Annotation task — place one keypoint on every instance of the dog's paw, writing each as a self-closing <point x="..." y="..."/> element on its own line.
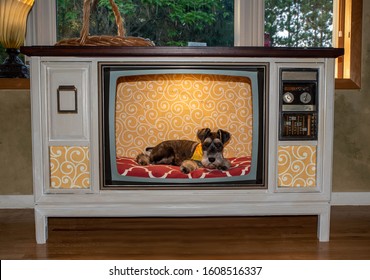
<point x="188" y="166"/>
<point x="184" y="170"/>
<point x="143" y="159"/>
<point x="225" y="166"/>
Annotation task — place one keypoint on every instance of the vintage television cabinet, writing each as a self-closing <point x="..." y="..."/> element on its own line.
<point x="277" y="102"/>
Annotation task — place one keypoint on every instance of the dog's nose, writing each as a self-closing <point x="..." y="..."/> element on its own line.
<point x="211" y="159"/>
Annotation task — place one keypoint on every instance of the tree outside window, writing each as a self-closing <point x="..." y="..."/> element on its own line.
<point x="165" y="22"/>
<point x="289" y="23"/>
<point x="299" y="23"/>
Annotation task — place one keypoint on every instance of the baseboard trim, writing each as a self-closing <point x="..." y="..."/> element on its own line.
<point x="338" y="199"/>
<point x="16" y="201"/>
<point x="350" y="198"/>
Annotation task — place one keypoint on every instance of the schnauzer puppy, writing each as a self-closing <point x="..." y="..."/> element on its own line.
<point x="190" y="155"/>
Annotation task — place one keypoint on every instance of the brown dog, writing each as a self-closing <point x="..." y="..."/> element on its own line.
<point x="190" y="155"/>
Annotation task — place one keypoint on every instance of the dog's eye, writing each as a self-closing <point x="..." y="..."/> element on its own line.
<point x="218" y="145"/>
<point x="207" y="143"/>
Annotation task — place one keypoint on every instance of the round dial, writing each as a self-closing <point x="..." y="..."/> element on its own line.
<point x="288" y="97"/>
<point x="305" y="97"/>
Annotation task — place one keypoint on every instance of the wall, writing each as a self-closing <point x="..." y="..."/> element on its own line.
<point x="15" y="142"/>
<point x="351" y="144"/>
<point x="352" y="122"/>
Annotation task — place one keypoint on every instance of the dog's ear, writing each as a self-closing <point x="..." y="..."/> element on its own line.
<point x="224" y="136"/>
<point x="203" y="134"/>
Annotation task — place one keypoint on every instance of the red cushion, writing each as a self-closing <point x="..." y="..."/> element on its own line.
<point x="128" y="167"/>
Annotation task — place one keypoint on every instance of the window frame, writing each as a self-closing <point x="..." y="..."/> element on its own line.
<point x="250" y="13"/>
<point x="355" y="43"/>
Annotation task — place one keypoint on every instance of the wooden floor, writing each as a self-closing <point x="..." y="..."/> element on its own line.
<point x="187" y="238"/>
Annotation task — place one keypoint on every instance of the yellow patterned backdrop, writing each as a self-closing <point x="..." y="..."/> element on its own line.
<point x="69" y="167"/>
<point x="297" y="166"/>
<point x="153" y="108"/>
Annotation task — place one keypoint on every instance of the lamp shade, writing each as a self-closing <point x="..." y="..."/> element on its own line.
<point x="13" y="19"/>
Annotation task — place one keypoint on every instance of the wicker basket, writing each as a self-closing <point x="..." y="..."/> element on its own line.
<point x="104" y="40"/>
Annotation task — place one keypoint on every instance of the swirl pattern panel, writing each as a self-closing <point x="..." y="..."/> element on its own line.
<point x="153" y="108"/>
<point x="297" y="166"/>
<point x="69" y="167"/>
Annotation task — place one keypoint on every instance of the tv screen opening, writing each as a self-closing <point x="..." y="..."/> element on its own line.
<point x="145" y="105"/>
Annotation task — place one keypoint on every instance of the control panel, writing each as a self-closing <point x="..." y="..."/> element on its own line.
<point x="298" y="104"/>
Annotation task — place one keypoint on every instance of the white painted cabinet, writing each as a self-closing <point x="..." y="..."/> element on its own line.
<point x="67" y="120"/>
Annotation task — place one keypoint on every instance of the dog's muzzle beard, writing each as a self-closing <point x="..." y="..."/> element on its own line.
<point x="213" y="155"/>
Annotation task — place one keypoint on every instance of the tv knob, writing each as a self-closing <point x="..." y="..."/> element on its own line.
<point x="288" y="97"/>
<point x="305" y="97"/>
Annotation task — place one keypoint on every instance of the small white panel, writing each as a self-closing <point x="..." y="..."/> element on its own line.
<point x="68" y="100"/>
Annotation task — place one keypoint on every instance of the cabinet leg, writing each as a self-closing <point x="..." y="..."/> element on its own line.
<point x="323" y="226"/>
<point x="41" y="226"/>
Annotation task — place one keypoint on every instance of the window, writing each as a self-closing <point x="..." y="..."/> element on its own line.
<point x="299" y="23"/>
<point x="167" y="23"/>
<point x="248" y="30"/>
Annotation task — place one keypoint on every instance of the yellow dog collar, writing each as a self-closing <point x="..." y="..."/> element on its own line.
<point x="198" y="153"/>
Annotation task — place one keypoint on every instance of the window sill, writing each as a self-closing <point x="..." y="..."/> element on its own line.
<point x="15" y="83"/>
<point x="346" y="84"/>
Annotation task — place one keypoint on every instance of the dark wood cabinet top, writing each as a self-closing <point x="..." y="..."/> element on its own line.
<point x="103" y="51"/>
